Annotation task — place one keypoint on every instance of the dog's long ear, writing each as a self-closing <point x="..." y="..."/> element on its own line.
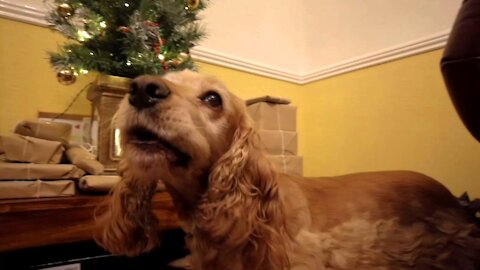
<point x="241" y="213"/>
<point x="125" y="223"/>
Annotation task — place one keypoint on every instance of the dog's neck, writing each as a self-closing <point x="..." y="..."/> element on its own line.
<point x="186" y="197"/>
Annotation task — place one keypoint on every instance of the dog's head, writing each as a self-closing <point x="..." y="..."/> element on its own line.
<point x="176" y="126"/>
<point x="188" y="130"/>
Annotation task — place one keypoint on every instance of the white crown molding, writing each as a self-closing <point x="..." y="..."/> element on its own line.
<point x="209" y="56"/>
<point x="414" y="47"/>
<point x="23" y="12"/>
<point x="34" y="14"/>
<point x="417" y="46"/>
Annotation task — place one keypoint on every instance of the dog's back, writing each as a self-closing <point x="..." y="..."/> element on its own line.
<point x="384" y="220"/>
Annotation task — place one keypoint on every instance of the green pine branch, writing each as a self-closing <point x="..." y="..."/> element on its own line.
<point x="125" y="38"/>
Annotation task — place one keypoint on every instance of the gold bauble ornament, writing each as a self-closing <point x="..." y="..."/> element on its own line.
<point x="65" y="10"/>
<point x="193" y="4"/>
<point x="180" y="59"/>
<point x="183" y="56"/>
<point x="174" y="62"/>
<point x="66" y="76"/>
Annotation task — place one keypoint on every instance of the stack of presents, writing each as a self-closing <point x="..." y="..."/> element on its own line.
<point x="275" y="120"/>
<point x="37" y="161"/>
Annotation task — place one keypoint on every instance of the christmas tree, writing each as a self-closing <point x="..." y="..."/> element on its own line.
<point x="124" y="37"/>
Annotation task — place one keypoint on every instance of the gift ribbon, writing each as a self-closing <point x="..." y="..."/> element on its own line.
<point x="277" y="111"/>
<point x="284" y="163"/>
<point x="39" y="183"/>
<point x="28" y="170"/>
<point x="37" y="130"/>
<point x="25" y="147"/>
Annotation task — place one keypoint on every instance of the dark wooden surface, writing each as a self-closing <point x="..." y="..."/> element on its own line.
<point x="39" y="222"/>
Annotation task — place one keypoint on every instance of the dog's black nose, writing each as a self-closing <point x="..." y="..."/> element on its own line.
<point x="146" y="92"/>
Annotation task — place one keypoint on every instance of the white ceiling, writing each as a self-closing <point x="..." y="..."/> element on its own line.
<point x="341" y="30"/>
<point x="306" y="40"/>
<point x="306" y="36"/>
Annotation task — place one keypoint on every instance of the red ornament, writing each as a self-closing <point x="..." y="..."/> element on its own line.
<point x="150" y="23"/>
<point x="165" y="67"/>
<point x="123" y="29"/>
<point x="157" y="48"/>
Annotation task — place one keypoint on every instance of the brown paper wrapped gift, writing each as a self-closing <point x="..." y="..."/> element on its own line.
<point x="31" y="171"/>
<point x="29" y="149"/>
<point x="279" y="142"/>
<point x="273" y="116"/>
<point x="81" y="158"/>
<point x="53" y="131"/>
<point x="104" y="183"/>
<point x="288" y="164"/>
<point x="36" y="189"/>
<point x="268" y="99"/>
<point x="98" y="183"/>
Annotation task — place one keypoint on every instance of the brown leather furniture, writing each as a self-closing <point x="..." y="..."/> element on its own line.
<point x="460" y="65"/>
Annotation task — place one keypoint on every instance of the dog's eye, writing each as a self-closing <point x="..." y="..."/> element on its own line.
<point x="212" y="99"/>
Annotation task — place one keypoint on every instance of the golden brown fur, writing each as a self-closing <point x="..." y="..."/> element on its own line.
<point x="241" y="214"/>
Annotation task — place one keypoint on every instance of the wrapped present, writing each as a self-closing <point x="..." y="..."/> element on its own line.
<point x="29" y="149"/>
<point x="273" y="116"/>
<point x="288" y="164"/>
<point x="104" y="183"/>
<point x="36" y="189"/>
<point x="53" y="131"/>
<point x="279" y="142"/>
<point x="268" y="99"/>
<point x="32" y="171"/>
<point x="81" y="158"/>
<point x="98" y="183"/>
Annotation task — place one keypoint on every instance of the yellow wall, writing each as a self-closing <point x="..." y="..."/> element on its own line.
<point x="392" y="116"/>
<point x="27" y="83"/>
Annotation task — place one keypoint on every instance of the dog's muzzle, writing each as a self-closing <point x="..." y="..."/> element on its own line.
<point x="150" y="143"/>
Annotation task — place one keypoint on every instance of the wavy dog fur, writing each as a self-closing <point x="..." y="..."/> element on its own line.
<point x="241" y="214"/>
<point x="128" y="226"/>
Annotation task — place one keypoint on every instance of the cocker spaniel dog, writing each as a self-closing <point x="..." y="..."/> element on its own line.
<point x="240" y="213"/>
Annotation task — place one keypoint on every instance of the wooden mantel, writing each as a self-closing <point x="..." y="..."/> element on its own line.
<point x="40" y="222"/>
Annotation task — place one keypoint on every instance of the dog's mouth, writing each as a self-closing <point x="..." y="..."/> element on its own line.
<point x="148" y="141"/>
